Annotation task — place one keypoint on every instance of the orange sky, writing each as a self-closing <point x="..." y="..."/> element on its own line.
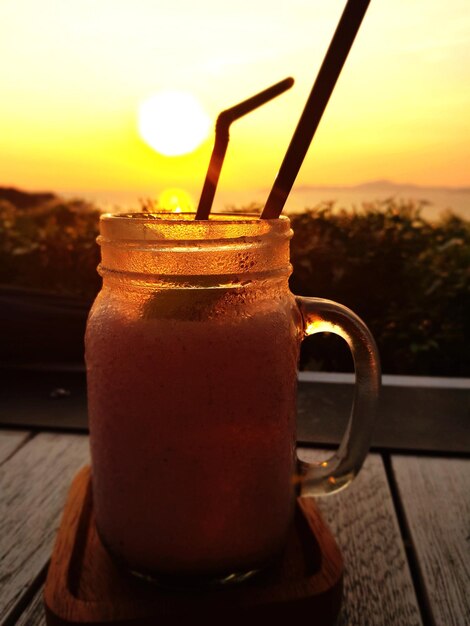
<point x="73" y="75"/>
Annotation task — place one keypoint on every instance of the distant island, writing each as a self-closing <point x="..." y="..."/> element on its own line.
<point x="25" y="199"/>
<point x="382" y="186"/>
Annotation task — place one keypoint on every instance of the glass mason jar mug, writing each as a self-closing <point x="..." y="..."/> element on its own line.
<point x="192" y="349"/>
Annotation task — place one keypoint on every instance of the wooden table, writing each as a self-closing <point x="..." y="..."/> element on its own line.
<point x="403" y="527"/>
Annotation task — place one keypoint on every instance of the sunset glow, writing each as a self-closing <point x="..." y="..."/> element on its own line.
<point x="76" y="73"/>
<point x="173" y="122"/>
<point x="176" y="201"/>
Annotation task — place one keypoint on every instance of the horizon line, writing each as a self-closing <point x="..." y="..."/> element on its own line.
<point x="302" y="187"/>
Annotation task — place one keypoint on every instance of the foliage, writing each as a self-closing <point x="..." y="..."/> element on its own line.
<point x="407" y="277"/>
<point x="51" y="247"/>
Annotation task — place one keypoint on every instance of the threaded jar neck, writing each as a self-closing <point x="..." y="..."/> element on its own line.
<point x="177" y="249"/>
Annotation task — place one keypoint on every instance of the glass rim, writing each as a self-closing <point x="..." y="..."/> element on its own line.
<point x="187" y="218"/>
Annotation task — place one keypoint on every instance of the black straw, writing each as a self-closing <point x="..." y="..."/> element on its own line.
<point x="222" y="136"/>
<point x="322" y="89"/>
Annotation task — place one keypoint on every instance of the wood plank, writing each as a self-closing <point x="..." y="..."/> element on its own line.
<point x="388" y="380"/>
<point x="33" y="486"/>
<point x="432" y="419"/>
<point x="34" y="615"/>
<point x="10" y="442"/>
<point x="57" y="332"/>
<point x="378" y="588"/>
<point x="43" y="399"/>
<point x="435" y="493"/>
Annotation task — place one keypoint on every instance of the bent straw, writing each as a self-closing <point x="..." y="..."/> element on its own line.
<point x="221" y="140"/>
<point x="323" y="87"/>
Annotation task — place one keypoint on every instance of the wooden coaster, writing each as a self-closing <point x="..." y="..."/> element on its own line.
<point x="84" y="586"/>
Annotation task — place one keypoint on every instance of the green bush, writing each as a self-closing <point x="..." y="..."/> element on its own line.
<point x="407" y="277"/>
<point x="51" y="247"/>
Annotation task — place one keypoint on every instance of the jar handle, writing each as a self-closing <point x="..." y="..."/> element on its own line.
<point x="338" y="471"/>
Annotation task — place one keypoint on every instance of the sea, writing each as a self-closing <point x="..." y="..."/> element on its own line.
<point x="437" y="199"/>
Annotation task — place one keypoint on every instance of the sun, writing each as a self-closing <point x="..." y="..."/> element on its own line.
<point x="175" y="201"/>
<point x="173" y="122"/>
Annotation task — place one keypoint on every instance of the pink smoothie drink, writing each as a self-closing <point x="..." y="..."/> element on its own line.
<point x="192" y="423"/>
